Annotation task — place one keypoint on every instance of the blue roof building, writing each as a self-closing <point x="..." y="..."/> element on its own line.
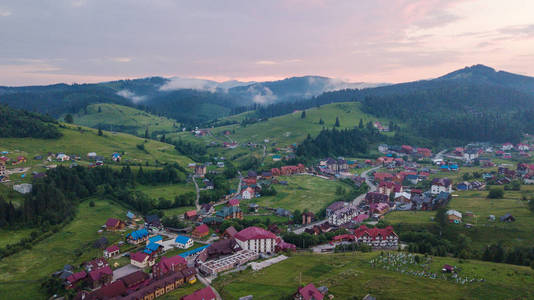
<point x="130" y="215"/>
<point x="138" y="234"/>
<point x="152" y="247"/>
<point x="155" y="239"/>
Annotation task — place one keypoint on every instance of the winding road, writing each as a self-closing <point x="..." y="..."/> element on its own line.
<point x="370" y="184"/>
<point x="197" y="204"/>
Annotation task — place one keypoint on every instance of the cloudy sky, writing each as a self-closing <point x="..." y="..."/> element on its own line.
<point x="50" y="41"/>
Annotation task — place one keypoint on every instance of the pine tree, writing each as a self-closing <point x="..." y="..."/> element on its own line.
<point x="303" y="115"/>
<point x="321" y="122"/>
<point x="163" y="139"/>
<point x="361" y="124"/>
<point x="337" y="122"/>
<point x="69" y="119"/>
<point x="100" y="133"/>
<point x="146" y="133"/>
<point x="99" y="109"/>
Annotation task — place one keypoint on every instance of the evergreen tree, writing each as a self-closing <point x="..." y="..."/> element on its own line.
<point x="163" y="139"/>
<point x="321" y="122"/>
<point x="303" y="115"/>
<point x="99" y="109"/>
<point x="146" y="133"/>
<point x="69" y="119"/>
<point x="100" y="133"/>
<point x="360" y="125"/>
<point x="337" y="122"/>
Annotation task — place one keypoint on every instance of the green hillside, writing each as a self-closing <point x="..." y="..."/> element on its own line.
<point x="287" y="129"/>
<point x="124" y="119"/>
<point x="82" y="140"/>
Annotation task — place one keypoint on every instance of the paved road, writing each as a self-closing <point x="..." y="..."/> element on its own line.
<point x="439" y="155"/>
<point x="197" y="204"/>
<point x="369" y="182"/>
<point x="239" y="184"/>
<point x="301" y="229"/>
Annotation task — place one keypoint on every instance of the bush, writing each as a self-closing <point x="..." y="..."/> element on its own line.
<point x="92" y="203"/>
<point x="496" y="193"/>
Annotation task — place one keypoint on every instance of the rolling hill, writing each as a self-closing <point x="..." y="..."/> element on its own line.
<point x="122" y="118"/>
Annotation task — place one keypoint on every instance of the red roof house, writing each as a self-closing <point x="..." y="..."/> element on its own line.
<point x="202" y="294"/>
<point x="254" y="233"/>
<point x="233" y="202"/>
<point x="113" y="224"/>
<point x="200" y="231"/>
<point x="167" y="265"/>
<point x="189" y="215"/>
<point x="309" y="292"/>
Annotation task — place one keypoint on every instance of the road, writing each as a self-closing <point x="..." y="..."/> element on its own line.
<point x="439" y="155"/>
<point x="370" y="184"/>
<point x="197" y="204"/>
<point x="239" y="184"/>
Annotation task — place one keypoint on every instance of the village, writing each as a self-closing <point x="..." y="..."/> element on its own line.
<point x="151" y="260"/>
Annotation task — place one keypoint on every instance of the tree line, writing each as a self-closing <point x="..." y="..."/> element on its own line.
<point x="21" y="124"/>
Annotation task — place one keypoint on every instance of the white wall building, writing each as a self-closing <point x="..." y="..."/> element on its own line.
<point x="256" y="239"/>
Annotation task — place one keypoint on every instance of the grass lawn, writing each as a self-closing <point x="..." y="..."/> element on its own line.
<point x="51" y="254"/>
<point x="177" y="211"/>
<point x="518" y="233"/>
<point x="301" y="192"/>
<point x="168" y="192"/>
<point x="273" y="218"/>
<point x="350" y="275"/>
<point x="410" y="217"/>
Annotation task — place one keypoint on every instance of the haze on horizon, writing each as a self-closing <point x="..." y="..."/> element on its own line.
<point x="393" y="41"/>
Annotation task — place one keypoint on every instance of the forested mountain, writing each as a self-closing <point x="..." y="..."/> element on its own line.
<point x="18" y="123"/>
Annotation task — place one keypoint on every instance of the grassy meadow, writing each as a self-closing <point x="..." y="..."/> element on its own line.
<point x="350" y="275"/>
<point x="23" y="272"/>
<point x="302" y="192"/>
<point x="124" y="118"/>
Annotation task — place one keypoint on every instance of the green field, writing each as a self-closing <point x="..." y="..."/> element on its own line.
<point x="23" y="272"/>
<point x="124" y="119"/>
<point x="168" y="192"/>
<point x="288" y="129"/>
<point x="410" y="217"/>
<point x="484" y="232"/>
<point x="350" y="275"/>
<point x="302" y="192"/>
<point x="81" y="142"/>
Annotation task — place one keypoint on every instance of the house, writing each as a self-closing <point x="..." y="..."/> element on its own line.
<point x="470" y="155"/>
<point x="507" y="218"/>
<point x="309" y="292"/>
<point x="200" y="170"/>
<point x="153" y="220"/>
<point x="206" y="209"/>
<point x="220" y="164"/>
<point x="200" y="231"/>
<point x="23" y="188"/>
<point x="233" y="202"/>
<point x="335" y="165"/>
<point x="343" y="215"/>
<point x="307" y="217"/>
<point x="167" y="265"/>
<point x="230" y="212"/>
<point x="157" y="239"/>
<point x="507" y="146"/>
<point x="463" y="186"/>
<point x="229" y="233"/>
<point x="380" y="176"/>
<point x="403" y="197"/>
<point x="256" y="239"/>
<point x="91" y="155"/>
<point x="202" y="294"/>
<point x="267" y="175"/>
<point x="249" y="181"/>
<point x="379" y="208"/>
<point x="388" y="187"/>
<point x="153" y="248"/>
<point x="447" y="269"/>
<point x="424" y="152"/>
<point x="132" y="280"/>
<point x="183" y="242"/>
<point x="277" y="157"/>
<point x="75" y="278"/>
<point x="360" y="218"/>
<point x="454" y="216"/>
<point x="384" y="238"/>
<point x="248" y="193"/>
<point x="130" y="215"/>
<point x="141" y="259"/>
<point x="523" y="147"/>
<point x="100" y="277"/>
<point x="412" y="179"/>
<point x="137" y="237"/>
<point x="282" y="212"/>
<point x="62" y="157"/>
<point x="383" y="148"/>
<point x="116" y="157"/>
<point x="334" y="207"/>
<point x="113" y="224"/>
<point x="374" y="197"/>
<point x="20" y="159"/>
<point x="190" y="215"/>
<point x="111" y="251"/>
<point x="283" y="246"/>
<point x="441" y="185"/>
<point x="95" y="264"/>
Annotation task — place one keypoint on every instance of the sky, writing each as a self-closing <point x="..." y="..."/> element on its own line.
<point x="76" y="41"/>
